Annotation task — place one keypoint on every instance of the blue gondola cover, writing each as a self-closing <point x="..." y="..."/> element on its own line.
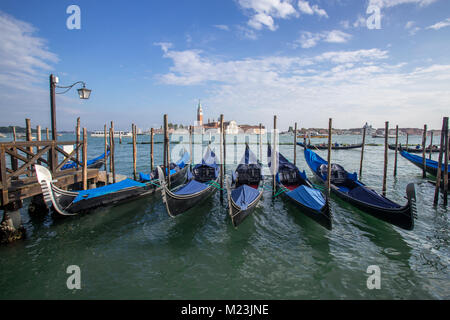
<point x="97" y="192"/>
<point x="312" y="198"/>
<point x="244" y="195"/>
<point x="192" y="187"/>
<point x="369" y="196"/>
<point x="71" y="164"/>
<point x="180" y="164"/>
<point x="418" y="160"/>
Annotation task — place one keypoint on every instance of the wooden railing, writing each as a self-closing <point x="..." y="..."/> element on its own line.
<point x="24" y="154"/>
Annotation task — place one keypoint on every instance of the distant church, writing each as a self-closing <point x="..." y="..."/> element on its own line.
<point x="199" y="114"/>
<point x="230" y="127"/>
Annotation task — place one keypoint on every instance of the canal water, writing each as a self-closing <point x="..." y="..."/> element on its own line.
<point x="136" y="251"/>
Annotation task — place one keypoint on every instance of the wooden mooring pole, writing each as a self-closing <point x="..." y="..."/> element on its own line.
<point x="431" y="144"/>
<point x="441" y="153"/>
<point x="386" y="145"/>
<point x="47" y="133"/>
<point x="133" y="131"/>
<point x="221" y="157"/>
<point x="166" y="153"/>
<point x="407" y="138"/>
<point x="151" y="148"/>
<point x="396" y="150"/>
<point x="330" y="129"/>
<point x="29" y="138"/>
<point x="274" y="155"/>
<point x="447" y="143"/>
<point x="106" y="152"/>
<point x="77" y="132"/>
<point x="260" y="142"/>
<point x="295" y="144"/>
<point x="362" y="151"/>
<point x="84" y="159"/>
<point x="38" y="138"/>
<point x="112" y="147"/>
<point x="424" y="158"/>
<point x="224" y="148"/>
<point x="14" y="160"/>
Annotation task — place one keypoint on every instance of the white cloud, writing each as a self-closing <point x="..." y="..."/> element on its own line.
<point x="440" y="25"/>
<point x="412" y="29"/>
<point x="306" y="8"/>
<point x="261" y="19"/>
<point x="409" y="24"/>
<point x="222" y="27"/>
<point x="336" y="36"/>
<point x="25" y="64"/>
<point x="350" y="86"/>
<point x="360" y="22"/>
<point x="264" y="11"/>
<point x="345" y="24"/>
<point x="309" y="40"/>
<point x="393" y="3"/>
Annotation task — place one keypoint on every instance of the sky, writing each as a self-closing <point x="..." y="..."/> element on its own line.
<point x="304" y="61"/>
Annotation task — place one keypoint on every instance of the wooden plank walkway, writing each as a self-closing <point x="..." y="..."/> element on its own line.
<point x="29" y="187"/>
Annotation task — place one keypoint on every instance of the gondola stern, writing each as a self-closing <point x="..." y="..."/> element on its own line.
<point x="162" y="182"/>
<point x="45" y="179"/>
<point x="411" y="195"/>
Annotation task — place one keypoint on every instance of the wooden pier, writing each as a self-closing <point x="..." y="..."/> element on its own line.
<point x="18" y="179"/>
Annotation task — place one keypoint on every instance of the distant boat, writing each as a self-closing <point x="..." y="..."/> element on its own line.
<point x="312" y="135"/>
<point x="334" y="146"/>
<point x="2" y="135"/>
<point x="415" y="149"/>
<point x="101" y="134"/>
<point x="382" y="136"/>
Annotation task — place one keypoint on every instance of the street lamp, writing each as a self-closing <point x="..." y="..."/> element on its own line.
<point x="83" y="93"/>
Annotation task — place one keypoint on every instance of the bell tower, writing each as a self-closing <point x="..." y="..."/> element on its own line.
<point x="199" y="114"/>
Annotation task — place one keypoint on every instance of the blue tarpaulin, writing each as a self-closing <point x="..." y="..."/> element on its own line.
<point x="97" y="192"/>
<point x="314" y="160"/>
<point x="309" y="197"/>
<point x="367" y="195"/>
<point x="71" y="164"/>
<point x="419" y="160"/>
<point x="180" y="165"/>
<point x="192" y="187"/>
<point x="244" y="195"/>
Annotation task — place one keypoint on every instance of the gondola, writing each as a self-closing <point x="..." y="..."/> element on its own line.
<point x="295" y="186"/>
<point x="245" y="189"/>
<point x="203" y="181"/>
<point x="95" y="163"/>
<point x="416" y="149"/>
<point x="69" y="203"/>
<point x="349" y="188"/>
<point x="431" y="165"/>
<point x="334" y="146"/>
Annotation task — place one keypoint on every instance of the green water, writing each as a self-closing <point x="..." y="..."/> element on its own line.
<point x="136" y="251"/>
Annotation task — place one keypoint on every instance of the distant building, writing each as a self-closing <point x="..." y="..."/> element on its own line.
<point x="252" y="129"/>
<point x="230" y="127"/>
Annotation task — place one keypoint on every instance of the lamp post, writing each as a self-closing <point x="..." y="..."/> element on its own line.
<point x="83" y="93"/>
